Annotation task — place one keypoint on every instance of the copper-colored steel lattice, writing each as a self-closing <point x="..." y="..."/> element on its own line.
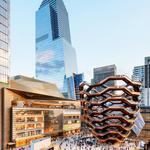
<point x="110" y="111"/>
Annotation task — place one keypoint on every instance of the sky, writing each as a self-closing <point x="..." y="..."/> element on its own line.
<point x="103" y="32"/>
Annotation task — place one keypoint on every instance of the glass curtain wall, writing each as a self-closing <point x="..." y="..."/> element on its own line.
<point x="4" y="40"/>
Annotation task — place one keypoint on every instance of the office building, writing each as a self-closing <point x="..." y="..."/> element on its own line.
<point x="55" y="56"/>
<point x="73" y="83"/>
<point x="4" y="40"/>
<point x="142" y="74"/>
<point x="32" y="110"/>
<point x="78" y="79"/>
<point x="147" y="82"/>
<point x="103" y="72"/>
<point x="4" y="49"/>
<point x="138" y="75"/>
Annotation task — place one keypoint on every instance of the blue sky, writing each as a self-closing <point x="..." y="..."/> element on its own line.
<point x="103" y="32"/>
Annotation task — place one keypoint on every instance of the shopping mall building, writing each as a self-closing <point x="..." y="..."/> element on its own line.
<point x="32" y="109"/>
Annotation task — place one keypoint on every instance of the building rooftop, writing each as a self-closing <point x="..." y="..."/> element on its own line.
<point x="105" y="67"/>
<point x="51" y="2"/>
<point x="28" y="85"/>
<point x="45" y="2"/>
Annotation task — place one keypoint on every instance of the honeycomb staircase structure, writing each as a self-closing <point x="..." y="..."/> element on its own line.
<point x="110" y="111"/>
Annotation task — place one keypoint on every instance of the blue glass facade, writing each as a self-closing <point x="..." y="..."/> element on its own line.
<point x="71" y="87"/>
<point x="78" y="78"/>
<point x="74" y="82"/>
<point x="4" y="40"/>
<point x="55" y="56"/>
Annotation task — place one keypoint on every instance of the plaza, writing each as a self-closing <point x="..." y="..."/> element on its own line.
<point x="80" y="142"/>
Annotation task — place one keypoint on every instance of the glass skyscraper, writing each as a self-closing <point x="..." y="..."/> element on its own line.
<point x="78" y="78"/>
<point x="73" y="85"/>
<point x="55" y="56"/>
<point x="147" y="81"/>
<point x="101" y="73"/>
<point x="4" y="40"/>
<point x="138" y="75"/>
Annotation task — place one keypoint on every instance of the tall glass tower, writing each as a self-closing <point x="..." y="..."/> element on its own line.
<point x="4" y="40"/>
<point x="55" y="56"/>
<point x="73" y="85"/>
<point x="4" y="52"/>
